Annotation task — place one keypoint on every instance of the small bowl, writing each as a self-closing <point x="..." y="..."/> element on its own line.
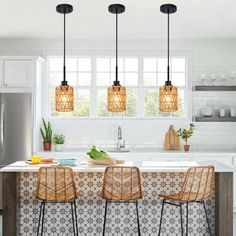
<point x="67" y="162"/>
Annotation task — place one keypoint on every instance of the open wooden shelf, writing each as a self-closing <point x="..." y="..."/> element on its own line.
<point x="215" y="119"/>
<point x="214" y="88"/>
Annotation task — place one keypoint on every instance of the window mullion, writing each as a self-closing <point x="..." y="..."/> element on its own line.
<point x="93" y="95"/>
<point x="140" y="88"/>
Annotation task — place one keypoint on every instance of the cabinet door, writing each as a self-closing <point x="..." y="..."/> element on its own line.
<point x="17" y="73"/>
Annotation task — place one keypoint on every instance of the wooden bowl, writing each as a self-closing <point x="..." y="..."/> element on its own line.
<point x="109" y="161"/>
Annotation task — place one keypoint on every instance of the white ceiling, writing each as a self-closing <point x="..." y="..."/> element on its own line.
<point x="142" y="19"/>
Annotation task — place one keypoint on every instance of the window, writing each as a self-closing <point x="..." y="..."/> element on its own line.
<point x="79" y="76"/>
<point x="128" y="77"/>
<point x="154" y="76"/>
<point x="142" y="77"/>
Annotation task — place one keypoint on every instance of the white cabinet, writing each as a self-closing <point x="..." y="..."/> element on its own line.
<point x="17" y="73"/>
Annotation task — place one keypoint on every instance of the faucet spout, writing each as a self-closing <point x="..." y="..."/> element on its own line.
<point x="119" y="132"/>
<point x="120" y="141"/>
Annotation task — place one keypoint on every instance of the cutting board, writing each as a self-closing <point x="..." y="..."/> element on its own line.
<point x="172" y="139"/>
<point x="54" y="162"/>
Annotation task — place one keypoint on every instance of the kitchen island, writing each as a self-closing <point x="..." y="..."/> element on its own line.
<point x="21" y="209"/>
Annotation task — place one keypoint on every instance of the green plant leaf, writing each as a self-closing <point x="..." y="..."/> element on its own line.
<point x="45" y="126"/>
<point x="43" y="135"/>
<point x="47" y="134"/>
<point x="58" y="139"/>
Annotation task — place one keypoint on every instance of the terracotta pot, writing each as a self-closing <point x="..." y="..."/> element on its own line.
<point x="186" y="148"/>
<point x="47" y="146"/>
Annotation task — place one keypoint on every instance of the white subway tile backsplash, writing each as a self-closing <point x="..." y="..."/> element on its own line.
<point x="208" y="60"/>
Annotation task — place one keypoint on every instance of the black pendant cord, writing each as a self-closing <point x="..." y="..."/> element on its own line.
<point x="116" y="9"/>
<point x="64" y="9"/>
<point x="64" y="58"/>
<point x="168" y="47"/>
<point x="168" y="9"/>
<point x="117" y="82"/>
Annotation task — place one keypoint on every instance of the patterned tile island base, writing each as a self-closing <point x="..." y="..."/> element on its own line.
<point x="121" y="217"/>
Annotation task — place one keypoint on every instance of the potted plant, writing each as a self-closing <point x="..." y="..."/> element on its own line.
<point x="46" y="133"/>
<point x="185" y="134"/>
<point x="58" y="140"/>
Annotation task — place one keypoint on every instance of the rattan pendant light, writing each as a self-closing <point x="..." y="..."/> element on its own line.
<point x="116" y="94"/>
<point x="64" y="92"/>
<point x="168" y="94"/>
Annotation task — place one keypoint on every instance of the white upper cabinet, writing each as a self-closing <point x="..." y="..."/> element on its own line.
<point x="17" y="73"/>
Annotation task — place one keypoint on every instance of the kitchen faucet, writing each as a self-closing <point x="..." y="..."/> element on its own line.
<point x="120" y="141"/>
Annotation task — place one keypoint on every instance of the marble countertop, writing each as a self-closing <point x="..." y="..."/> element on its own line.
<point x="144" y="166"/>
<point x="148" y="151"/>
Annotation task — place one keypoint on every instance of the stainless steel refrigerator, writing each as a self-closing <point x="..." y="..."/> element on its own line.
<point x="15" y="129"/>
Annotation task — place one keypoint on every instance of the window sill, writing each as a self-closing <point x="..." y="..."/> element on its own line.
<point x="120" y="118"/>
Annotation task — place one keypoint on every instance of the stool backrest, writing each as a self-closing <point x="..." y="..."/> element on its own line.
<point x="122" y="183"/>
<point x="55" y="184"/>
<point x="198" y="184"/>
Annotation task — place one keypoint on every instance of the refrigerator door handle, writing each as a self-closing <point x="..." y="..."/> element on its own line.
<point x="2" y="128"/>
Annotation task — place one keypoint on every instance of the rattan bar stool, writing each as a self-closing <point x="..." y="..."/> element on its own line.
<point x="122" y="184"/>
<point x="197" y="187"/>
<point x="56" y="185"/>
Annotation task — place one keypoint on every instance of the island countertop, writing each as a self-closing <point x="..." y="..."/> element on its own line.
<point x="144" y="166"/>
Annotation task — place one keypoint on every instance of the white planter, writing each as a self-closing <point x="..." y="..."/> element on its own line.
<point x="58" y="147"/>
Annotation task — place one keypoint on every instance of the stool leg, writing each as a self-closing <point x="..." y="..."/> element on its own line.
<point x="40" y="213"/>
<point x="76" y="220"/>
<point x="181" y="219"/>
<point x="72" y="214"/>
<point x="104" y="223"/>
<point x="139" y="233"/>
<point x="162" y="210"/>
<point x="208" y="223"/>
<point x="43" y="217"/>
<point x="187" y="219"/>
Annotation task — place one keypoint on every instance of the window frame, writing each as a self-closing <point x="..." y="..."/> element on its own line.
<point x="140" y="55"/>
<point x="186" y="88"/>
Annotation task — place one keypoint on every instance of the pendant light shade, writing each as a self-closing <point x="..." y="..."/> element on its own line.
<point x="64" y="94"/>
<point x="168" y="98"/>
<point x="116" y="98"/>
<point x="64" y="98"/>
<point x="116" y="94"/>
<point x="168" y="94"/>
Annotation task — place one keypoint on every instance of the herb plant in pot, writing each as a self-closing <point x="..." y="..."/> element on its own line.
<point x="58" y="140"/>
<point x="46" y="133"/>
<point x="185" y="134"/>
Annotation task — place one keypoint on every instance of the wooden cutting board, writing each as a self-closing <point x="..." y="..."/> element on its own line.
<point x="172" y="139"/>
<point x="54" y="162"/>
